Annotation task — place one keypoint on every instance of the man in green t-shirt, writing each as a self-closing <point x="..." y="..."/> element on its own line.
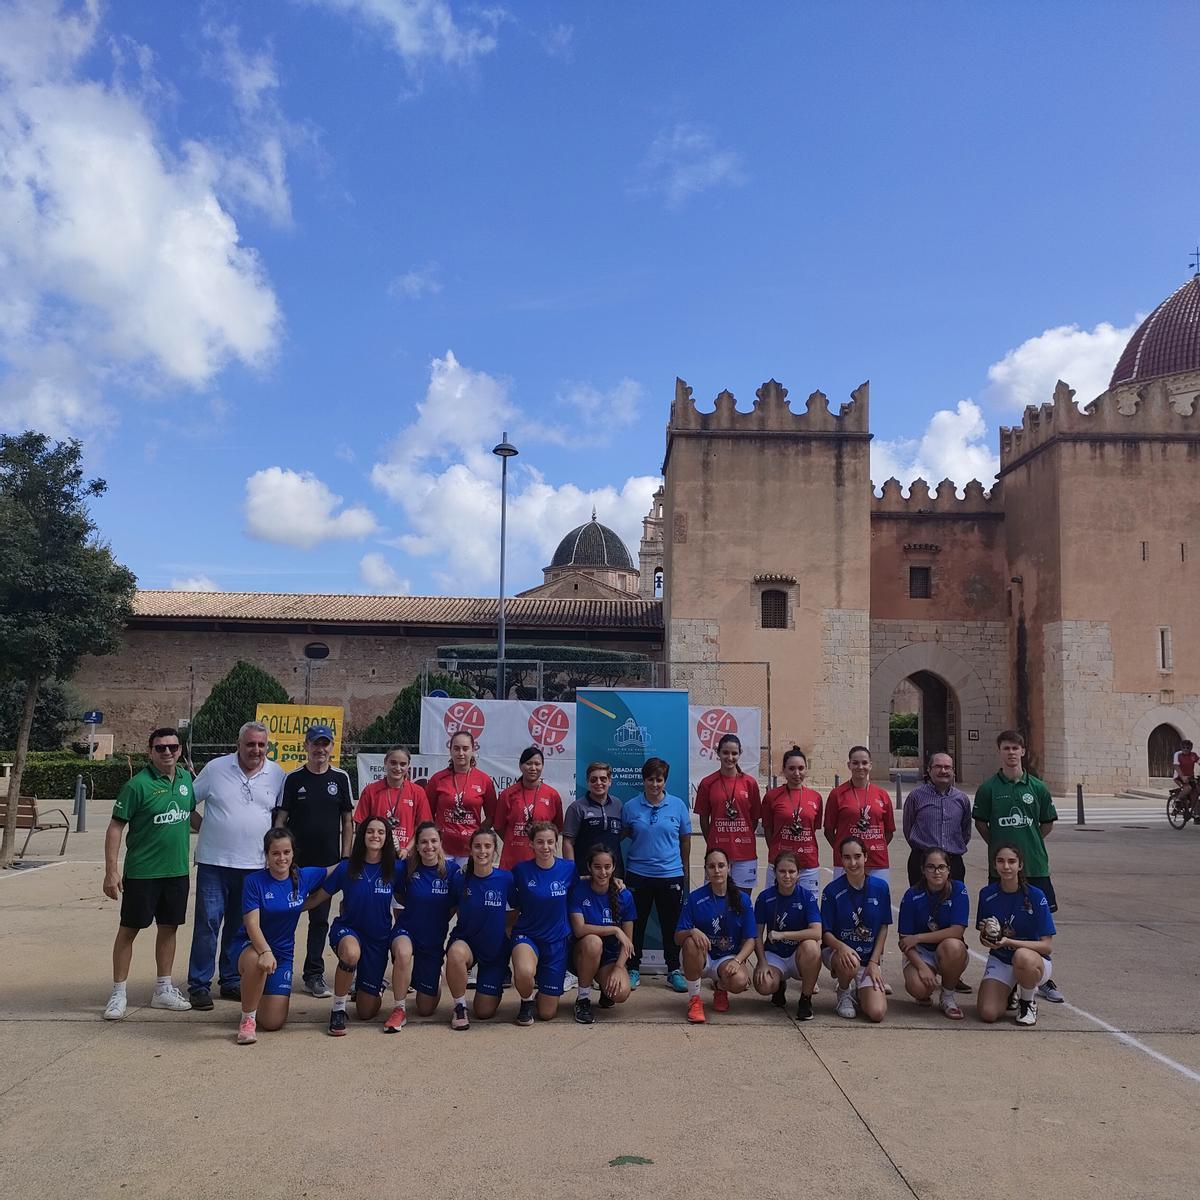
<point x="1014" y="808"/>
<point x="155" y="806"/>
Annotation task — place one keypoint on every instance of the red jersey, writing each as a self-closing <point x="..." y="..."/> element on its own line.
<point x="1186" y="767"/>
<point x="459" y="803"/>
<point x="518" y="807"/>
<point x="791" y="820"/>
<point x="732" y="807"/>
<point x="403" y="808"/>
<point x="865" y="812"/>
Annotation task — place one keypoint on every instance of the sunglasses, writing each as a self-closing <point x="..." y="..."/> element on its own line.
<point x="167" y="748"/>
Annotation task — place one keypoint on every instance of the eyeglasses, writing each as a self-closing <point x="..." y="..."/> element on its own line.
<point x="165" y="748"/>
<point x="939" y="867"/>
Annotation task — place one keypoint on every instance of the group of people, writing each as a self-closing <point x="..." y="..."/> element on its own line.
<point x="449" y="879"/>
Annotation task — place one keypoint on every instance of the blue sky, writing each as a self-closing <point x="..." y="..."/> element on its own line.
<point x="289" y="269"/>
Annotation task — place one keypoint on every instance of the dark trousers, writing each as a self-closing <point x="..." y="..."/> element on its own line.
<point x="318" y="931"/>
<point x="665" y="896"/>
<point x="958" y="868"/>
<point x="217" y="918"/>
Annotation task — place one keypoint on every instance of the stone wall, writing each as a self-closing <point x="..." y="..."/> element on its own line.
<point x="841" y="699"/>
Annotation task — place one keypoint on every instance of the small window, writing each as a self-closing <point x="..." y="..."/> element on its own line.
<point x="1164" y="648"/>
<point x="920" y="583"/>
<point x="1183" y="552"/>
<point x="658" y="583"/>
<point x="1145" y="552"/>
<point x="774" y="609"/>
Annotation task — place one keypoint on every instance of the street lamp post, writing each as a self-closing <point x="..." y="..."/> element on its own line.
<point x="504" y="451"/>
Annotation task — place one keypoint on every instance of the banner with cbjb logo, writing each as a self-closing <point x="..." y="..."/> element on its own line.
<point x="707" y="724"/>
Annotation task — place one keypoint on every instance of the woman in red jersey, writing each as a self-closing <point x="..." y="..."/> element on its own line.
<point x="521" y="804"/>
<point x="728" y="803"/>
<point x="791" y="816"/>
<point x="461" y="798"/>
<point x="861" y="809"/>
<point x="401" y="803"/>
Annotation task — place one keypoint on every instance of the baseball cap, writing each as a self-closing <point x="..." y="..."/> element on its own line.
<point x="318" y="731"/>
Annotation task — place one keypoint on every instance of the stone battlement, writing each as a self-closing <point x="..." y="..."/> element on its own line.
<point x="771" y="413"/>
<point x="942" y="501"/>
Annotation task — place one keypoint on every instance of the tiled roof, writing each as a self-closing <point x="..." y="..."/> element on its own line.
<point x="1167" y="341"/>
<point x="531" y="612"/>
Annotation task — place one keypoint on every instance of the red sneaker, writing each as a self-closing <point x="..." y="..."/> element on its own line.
<point x="720" y="1000"/>
<point x="696" y="1010"/>
<point x="396" y="1021"/>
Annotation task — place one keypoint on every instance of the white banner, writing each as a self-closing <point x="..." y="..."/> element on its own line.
<point x="370" y="768"/>
<point x="707" y="724"/>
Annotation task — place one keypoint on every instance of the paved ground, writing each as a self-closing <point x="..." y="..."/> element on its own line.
<point x="752" y="1104"/>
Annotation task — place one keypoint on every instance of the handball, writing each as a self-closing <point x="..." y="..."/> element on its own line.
<point x="991" y="930"/>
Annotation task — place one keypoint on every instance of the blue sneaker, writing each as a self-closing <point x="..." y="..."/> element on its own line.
<point x="676" y="981"/>
<point x="635" y="977"/>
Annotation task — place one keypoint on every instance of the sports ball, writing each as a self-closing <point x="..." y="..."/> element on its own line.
<point x="991" y="929"/>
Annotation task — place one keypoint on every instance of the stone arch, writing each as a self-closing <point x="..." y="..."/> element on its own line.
<point x="1151" y="719"/>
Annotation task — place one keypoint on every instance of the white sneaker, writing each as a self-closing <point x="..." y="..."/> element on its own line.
<point x="115" y="1009"/>
<point x="171" y="998"/>
<point x="845" y="1004"/>
<point x="1026" y="1012"/>
<point x="570" y="983"/>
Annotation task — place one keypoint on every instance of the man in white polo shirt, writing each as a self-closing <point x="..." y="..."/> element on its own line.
<point x="239" y="793"/>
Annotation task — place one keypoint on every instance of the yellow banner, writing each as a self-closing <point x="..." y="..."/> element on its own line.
<point x="288" y="723"/>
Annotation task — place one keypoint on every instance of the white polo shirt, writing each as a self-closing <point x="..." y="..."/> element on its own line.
<point x="237" y="811"/>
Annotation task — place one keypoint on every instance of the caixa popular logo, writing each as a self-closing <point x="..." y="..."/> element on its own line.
<point x="464" y="716"/>
<point x="711" y="726"/>
<point x="549" y="726"/>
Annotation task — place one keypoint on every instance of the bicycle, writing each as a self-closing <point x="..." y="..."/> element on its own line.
<point x="1178" y="810"/>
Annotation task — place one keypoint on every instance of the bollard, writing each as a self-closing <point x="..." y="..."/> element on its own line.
<point x="1079" y="805"/>
<point x="899" y="801"/>
<point x="80" y="805"/>
<point x="837" y="781"/>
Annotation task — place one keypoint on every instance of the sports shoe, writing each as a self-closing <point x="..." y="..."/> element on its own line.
<point x="337" y="1023"/>
<point x="231" y="992"/>
<point x="635" y="977"/>
<point x="583" y="1011"/>
<point x="571" y="982"/>
<point x="200" y="999"/>
<point x="1012" y="1001"/>
<point x="460" y="1020"/>
<point x="247" y="1031"/>
<point x="115" y="1009"/>
<point x="171" y="998"/>
<point x="1027" y="1012"/>
<point x="1049" y="991"/>
<point x="316" y="986"/>
<point x="845" y="1004"/>
<point x="396" y="1019"/>
<point x="779" y="999"/>
<point x="804" y="1010"/>
<point x="887" y="988"/>
<point x="606" y="1001"/>
<point x="675" y="980"/>
<point x="696" y="1010"/>
<point x="949" y="1006"/>
<point x="720" y="1000"/>
<point x="963" y="988"/>
<point x="525" y="1013"/>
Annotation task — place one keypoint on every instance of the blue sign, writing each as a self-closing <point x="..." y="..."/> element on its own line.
<point x="95" y="717"/>
<point x="440" y="694"/>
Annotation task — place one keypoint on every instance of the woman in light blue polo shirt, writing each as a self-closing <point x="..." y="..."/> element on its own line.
<point x="659" y="829"/>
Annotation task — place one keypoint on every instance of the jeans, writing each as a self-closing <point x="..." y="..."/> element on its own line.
<point x="218" y="912"/>
<point x="318" y="931"/>
<point x="665" y="895"/>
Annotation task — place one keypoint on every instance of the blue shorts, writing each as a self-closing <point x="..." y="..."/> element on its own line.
<point x="489" y="972"/>
<point x="426" y="967"/>
<point x="551" y="962"/>
<point x="610" y="950"/>
<point x="372" y="962"/>
<point x="279" y="982"/>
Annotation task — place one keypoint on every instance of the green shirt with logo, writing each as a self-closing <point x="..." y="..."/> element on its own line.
<point x="158" y="811"/>
<point x="1015" y="810"/>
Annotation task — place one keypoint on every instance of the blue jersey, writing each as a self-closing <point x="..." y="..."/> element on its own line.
<point x="428" y="900"/>
<point x="654" y="831"/>
<point x="366" y="901"/>
<point x="920" y="914"/>
<point x="482" y="906"/>
<point x="725" y="929"/>
<point x="856" y="915"/>
<point x="595" y="909"/>
<point x="540" y="896"/>
<point x="279" y="906"/>
<point x="785" y="914"/>
<point x="1027" y="919"/>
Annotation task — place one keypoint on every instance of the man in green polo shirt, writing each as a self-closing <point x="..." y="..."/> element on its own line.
<point x="1014" y="808"/>
<point x="155" y="806"/>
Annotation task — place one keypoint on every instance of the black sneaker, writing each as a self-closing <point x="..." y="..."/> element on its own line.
<point x="583" y="1011"/>
<point x="963" y="988"/>
<point x="607" y="1001"/>
<point x="229" y="993"/>
<point x="804" y="1010"/>
<point x="337" y="1023"/>
<point x="316" y="986"/>
<point x="779" y="999"/>
<point x="1027" y="1012"/>
<point x="525" y="1013"/>
<point x="1012" y="1000"/>
<point x="201" y="999"/>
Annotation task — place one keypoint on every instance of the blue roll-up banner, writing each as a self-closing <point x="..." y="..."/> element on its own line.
<point x="623" y="727"/>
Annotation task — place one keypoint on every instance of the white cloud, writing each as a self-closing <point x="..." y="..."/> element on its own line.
<point x="956" y="445"/>
<point x="442" y="474"/>
<point x="613" y="409"/>
<point x="194" y="583"/>
<point x="424" y="29"/>
<point x="378" y="576"/>
<point x="559" y="42"/>
<point x="418" y="282"/>
<point x="293" y="508"/>
<point x="684" y="161"/>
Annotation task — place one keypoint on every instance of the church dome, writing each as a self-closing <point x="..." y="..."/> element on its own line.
<point x="1167" y="342"/>
<point x="592" y="545"/>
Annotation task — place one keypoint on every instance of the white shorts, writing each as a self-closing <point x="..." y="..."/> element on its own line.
<point x="883" y="873"/>
<point x="744" y="873"/>
<point x="1003" y="972"/>
<point x="788" y="967"/>
<point x="860" y="974"/>
<point x="712" y="965"/>
<point x="927" y="954"/>
<point x="810" y="880"/>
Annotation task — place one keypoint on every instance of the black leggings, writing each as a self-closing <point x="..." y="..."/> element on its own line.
<point x="665" y="895"/>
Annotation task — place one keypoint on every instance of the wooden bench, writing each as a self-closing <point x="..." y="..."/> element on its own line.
<point x="31" y="818"/>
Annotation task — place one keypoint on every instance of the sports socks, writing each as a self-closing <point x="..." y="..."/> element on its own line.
<point x="163" y="984"/>
<point x="584" y="993"/>
<point x="459" y="1000"/>
<point x="1026" y="994"/>
<point x="693" y="987"/>
<point x="339" y="1003"/>
<point x="119" y="988"/>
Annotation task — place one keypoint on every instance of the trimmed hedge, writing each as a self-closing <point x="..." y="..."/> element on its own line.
<point x="54" y="779"/>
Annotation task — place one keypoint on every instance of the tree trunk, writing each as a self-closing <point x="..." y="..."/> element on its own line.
<point x="8" y="845"/>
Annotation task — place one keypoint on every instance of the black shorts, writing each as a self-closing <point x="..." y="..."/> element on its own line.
<point x="146" y="900"/>
<point x="1043" y="882"/>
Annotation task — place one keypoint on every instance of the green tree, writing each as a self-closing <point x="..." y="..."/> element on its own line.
<point x="401" y="724"/>
<point x="55" y="715"/>
<point x="62" y="595"/>
<point x="233" y="701"/>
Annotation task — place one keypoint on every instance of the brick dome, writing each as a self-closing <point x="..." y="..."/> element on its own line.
<point x="592" y="545"/>
<point x="1167" y="342"/>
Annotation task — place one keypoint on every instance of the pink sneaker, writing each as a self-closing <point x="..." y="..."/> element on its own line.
<point x="396" y="1021"/>
<point x="247" y="1032"/>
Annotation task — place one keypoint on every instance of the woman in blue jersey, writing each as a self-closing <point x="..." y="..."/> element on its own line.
<point x="541" y="931"/>
<point x="932" y="926"/>
<point x="428" y="888"/>
<point x="263" y="948"/>
<point x="788" y="945"/>
<point x="602" y="913"/>
<point x="1017" y="938"/>
<point x="480" y="937"/>
<point x="856" y="910"/>
<point x="716" y="936"/>
<point x="361" y="932"/>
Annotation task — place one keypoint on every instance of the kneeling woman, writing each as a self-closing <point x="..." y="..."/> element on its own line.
<point x="480" y="937"/>
<point x="856" y="910"/>
<point x="361" y="932"/>
<point x="933" y="924"/>
<point x="602" y="916"/>
<point x="788" y="945"/>
<point x="541" y="931"/>
<point x="716" y="935"/>
<point x="263" y="948"/>
<point x="1016" y="928"/>
<point x="428" y="888"/>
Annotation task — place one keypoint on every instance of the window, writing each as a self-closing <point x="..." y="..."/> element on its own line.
<point x="1164" y="648"/>
<point x="920" y="583"/>
<point x="1145" y="551"/>
<point x="658" y="583"/>
<point x="774" y="609"/>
